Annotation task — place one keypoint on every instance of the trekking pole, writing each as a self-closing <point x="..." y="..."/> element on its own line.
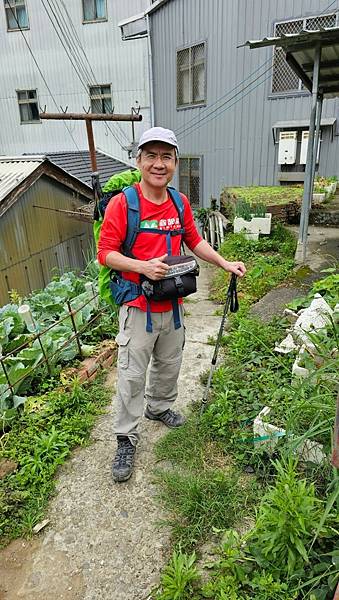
<point x="232" y="305"/>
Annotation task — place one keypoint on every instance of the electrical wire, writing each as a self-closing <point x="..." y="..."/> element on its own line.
<point x="329" y="6"/>
<point x="203" y="110"/>
<point x="227" y="107"/>
<point x="78" y="41"/>
<point x="80" y="68"/>
<point x="192" y="128"/>
<point x="44" y="79"/>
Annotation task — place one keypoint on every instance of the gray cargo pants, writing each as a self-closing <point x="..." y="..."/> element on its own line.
<point x="136" y="348"/>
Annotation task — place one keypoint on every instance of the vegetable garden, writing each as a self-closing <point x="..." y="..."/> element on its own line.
<point x="60" y="323"/>
<point x="44" y="411"/>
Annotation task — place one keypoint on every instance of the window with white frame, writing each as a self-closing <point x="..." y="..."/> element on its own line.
<point x="28" y="106"/>
<point x="101" y="98"/>
<point x="94" y="10"/>
<point x="284" y="79"/>
<point x="190" y="179"/>
<point x="16" y="15"/>
<point x="191" y="75"/>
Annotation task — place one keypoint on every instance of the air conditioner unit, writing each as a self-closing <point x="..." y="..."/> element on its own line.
<point x="304" y="145"/>
<point x="287" y="147"/>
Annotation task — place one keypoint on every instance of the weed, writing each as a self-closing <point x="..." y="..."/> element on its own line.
<point x="40" y="441"/>
<point x="178" y="577"/>
<point x="200" y="502"/>
<point x="286" y="519"/>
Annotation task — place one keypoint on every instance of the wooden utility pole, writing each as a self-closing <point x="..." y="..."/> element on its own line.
<point x="88" y="118"/>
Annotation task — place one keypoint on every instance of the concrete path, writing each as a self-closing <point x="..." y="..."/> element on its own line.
<point x="103" y="542"/>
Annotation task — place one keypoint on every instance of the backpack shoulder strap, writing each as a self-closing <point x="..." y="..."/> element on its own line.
<point x="178" y="202"/>
<point x="133" y="219"/>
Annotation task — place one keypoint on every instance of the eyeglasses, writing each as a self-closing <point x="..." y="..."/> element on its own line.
<point x="165" y="158"/>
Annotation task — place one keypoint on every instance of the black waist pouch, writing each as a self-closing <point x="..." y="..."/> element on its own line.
<point x="180" y="281"/>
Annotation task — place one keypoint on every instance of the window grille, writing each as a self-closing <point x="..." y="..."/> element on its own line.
<point x="284" y="79"/>
<point x="94" y="10"/>
<point x="190" y="179"/>
<point x="191" y="75"/>
<point x="16" y="14"/>
<point x="28" y="106"/>
<point x="101" y="98"/>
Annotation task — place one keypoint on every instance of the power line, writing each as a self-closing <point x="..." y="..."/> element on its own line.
<point x="42" y="76"/>
<point x="329" y="6"/>
<point x="202" y="111"/>
<point x="86" y="58"/>
<point x="88" y="70"/>
<point x="227" y="107"/>
<point x="191" y="128"/>
<point x="80" y="69"/>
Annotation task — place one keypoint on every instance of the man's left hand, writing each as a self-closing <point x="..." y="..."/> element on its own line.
<point x="237" y="267"/>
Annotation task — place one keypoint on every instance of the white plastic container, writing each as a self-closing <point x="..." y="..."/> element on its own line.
<point x="256" y="225"/>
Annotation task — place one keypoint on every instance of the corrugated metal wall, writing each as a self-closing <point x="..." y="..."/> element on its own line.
<point x="36" y="244"/>
<point x="123" y="64"/>
<point x="237" y="146"/>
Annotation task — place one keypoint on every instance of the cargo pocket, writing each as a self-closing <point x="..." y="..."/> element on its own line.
<point x="123" y="338"/>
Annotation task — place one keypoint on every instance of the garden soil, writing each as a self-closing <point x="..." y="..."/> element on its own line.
<point x="103" y="540"/>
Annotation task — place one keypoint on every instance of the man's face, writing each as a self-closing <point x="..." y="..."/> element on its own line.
<point x="157" y="163"/>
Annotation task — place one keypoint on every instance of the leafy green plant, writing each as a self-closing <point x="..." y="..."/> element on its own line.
<point x="258" y="209"/>
<point x="243" y="209"/>
<point x="286" y="520"/>
<point x="49" y="427"/>
<point x="178" y="577"/>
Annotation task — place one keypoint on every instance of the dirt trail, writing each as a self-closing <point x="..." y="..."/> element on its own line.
<point x="103" y="542"/>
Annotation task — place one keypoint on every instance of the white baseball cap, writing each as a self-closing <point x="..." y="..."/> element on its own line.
<point x="159" y="134"/>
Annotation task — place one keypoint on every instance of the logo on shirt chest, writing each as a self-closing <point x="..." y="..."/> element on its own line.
<point x="163" y="224"/>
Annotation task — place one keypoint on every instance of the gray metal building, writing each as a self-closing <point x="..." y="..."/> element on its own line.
<point x="241" y="117"/>
<point x="69" y="54"/>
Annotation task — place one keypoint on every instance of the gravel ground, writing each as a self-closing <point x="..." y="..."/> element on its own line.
<point x="103" y="541"/>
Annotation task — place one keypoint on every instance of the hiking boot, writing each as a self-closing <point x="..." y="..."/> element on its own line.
<point x="170" y="418"/>
<point x="123" y="460"/>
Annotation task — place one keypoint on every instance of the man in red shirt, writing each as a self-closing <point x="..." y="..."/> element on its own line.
<point x="157" y="160"/>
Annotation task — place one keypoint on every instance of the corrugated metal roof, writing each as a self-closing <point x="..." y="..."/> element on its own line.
<point x="13" y="170"/>
<point x="78" y="164"/>
<point x="300" y="52"/>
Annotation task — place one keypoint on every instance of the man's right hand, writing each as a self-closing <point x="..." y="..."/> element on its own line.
<point x="155" y="268"/>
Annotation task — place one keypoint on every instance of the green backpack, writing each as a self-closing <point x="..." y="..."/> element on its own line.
<point x="114" y="186"/>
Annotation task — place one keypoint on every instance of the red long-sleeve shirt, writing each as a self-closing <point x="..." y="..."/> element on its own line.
<point x="147" y="245"/>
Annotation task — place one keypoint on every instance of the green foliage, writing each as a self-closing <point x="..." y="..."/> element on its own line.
<point x="202" y="215"/>
<point x="286" y="519"/>
<point x="268" y="194"/>
<point x="178" y="577"/>
<point x="246" y="210"/>
<point x="26" y="369"/>
<point x="50" y="426"/>
<point x="243" y="209"/>
<point x="328" y="287"/>
<point x="199" y="502"/>
<point x="268" y="261"/>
